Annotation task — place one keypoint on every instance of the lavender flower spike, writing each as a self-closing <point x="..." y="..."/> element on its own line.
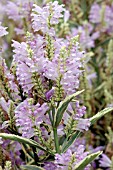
<point x="95" y="14"/>
<point x="45" y="17"/>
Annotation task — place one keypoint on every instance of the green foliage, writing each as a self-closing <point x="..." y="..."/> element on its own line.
<point x="31" y="167"/>
<point x="22" y="140"/>
<point x="63" y="106"/>
<point x="86" y="161"/>
<point x="68" y="143"/>
<point x="100" y="114"/>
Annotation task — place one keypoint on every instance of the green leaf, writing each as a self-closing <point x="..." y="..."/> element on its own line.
<point x="31" y="167"/>
<point x="67" y="144"/>
<point x="100" y="114"/>
<point x="86" y="161"/>
<point x="84" y="6"/>
<point x="63" y="106"/>
<point x="22" y="140"/>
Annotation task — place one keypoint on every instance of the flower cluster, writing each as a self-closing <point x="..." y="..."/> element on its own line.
<point x="19" y="11"/>
<point x="69" y="159"/>
<point x="44" y="18"/>
<point x="29" y="116"/>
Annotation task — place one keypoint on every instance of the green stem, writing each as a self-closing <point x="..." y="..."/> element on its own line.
<point x="50" y="117"/>
<point x="53" y="113"/>
<point x="56" y="140"/>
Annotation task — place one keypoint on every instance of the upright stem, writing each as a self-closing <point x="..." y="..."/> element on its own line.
<point x="56" y="140"/>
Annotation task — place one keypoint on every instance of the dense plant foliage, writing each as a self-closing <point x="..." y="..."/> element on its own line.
<point x="56" y="87"/>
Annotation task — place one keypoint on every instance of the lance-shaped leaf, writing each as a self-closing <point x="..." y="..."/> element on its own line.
<point x="100" y="114"/>
<point x="67" y="144"/>
<point x="22" y="140"/>
<point x="31" y="167"/>
<point x="82" y="164"/>
<point x="63" y="106"/>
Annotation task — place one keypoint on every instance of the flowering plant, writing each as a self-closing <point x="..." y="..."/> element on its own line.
<point x="40" y="102"/>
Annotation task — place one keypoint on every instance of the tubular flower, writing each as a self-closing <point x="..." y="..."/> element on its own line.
<point x="3" y="30"/>
<point x="105" y="162"/>
<point x="20" y="50"/>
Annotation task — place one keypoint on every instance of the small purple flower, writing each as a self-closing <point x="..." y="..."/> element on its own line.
<point x="51" y="70"/>
<point x="77" y="143"/>
<point x="20" y="50"/>
<point x="3" y="30"/>
<point x="80" y="110"/>
<point x="50" y="166"/>
<point x="13" y="150"/>
<point x="77" y="110"/>
<point x="49" y="94"/>
<point x="62" y="160"/>
<point x="105" y="162"/>
<point x="83" y="124"/>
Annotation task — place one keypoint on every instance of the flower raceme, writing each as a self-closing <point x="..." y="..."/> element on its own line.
<point x="102" y="17"/>
<point x="28" y="116"/>
<point x="44" y="18"/>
